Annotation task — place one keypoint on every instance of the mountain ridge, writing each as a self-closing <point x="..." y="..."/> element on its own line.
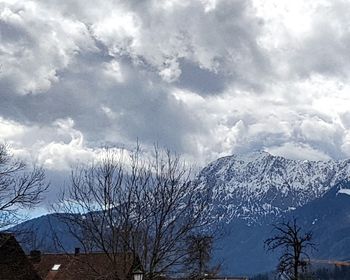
<point x="259" y="184"/>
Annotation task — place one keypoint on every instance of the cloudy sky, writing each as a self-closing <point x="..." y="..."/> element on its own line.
<point x="205" y="78"/>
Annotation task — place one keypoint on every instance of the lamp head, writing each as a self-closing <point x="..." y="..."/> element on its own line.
<point x="137" y="274"/>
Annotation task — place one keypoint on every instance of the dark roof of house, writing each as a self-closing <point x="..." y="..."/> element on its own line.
<point x="4" y="237"/>
<point x="13" y="261"/>
<point x="217" y="278"/>
<point x="84" y="266"/>
<point x="228" y="278"/>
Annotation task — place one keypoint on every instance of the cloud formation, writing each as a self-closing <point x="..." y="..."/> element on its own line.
<point x="206" y="78"/>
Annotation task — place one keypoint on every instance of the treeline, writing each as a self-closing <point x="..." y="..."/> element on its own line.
<point x="324" y="273"/>
<point x="335" y="273"/>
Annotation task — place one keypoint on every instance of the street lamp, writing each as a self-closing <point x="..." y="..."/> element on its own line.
<point x="137" y="274"/>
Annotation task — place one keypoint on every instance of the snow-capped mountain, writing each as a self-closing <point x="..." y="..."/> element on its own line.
<point x="257" y="189"/>
<point x="259" y="184"/>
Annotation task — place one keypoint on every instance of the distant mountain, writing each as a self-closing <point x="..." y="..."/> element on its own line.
<point x="43" y="233"/>
<point x="255" y="186"/>
<point x="255" y="191"/>
<point x="329" y="219"/>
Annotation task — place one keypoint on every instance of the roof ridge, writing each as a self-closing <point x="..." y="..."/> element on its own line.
<point x="4" y="237"/>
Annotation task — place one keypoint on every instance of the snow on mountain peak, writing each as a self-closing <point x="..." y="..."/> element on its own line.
<point x="243" y="185"/>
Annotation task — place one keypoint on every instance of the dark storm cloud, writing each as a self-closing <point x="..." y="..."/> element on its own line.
<point x="200" y="80"/>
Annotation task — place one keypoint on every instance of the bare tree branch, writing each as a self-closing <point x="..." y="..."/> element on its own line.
<point x="294" y="245"/>
<point x="19" y="188"/>
<point x="148" y="206"/>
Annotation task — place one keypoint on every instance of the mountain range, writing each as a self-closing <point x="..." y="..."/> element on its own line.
<point x="254" y="191"/>
<point x="258" y="185"/>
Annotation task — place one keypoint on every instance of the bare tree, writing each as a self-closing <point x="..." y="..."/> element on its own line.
<point x="19" y="188"/>
<point x="146" y="205"/>
<point x="199" y="254"/>
<point x="295" y="244"/>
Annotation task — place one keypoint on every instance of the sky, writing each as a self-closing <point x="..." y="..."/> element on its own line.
<point x="204" y="78"/>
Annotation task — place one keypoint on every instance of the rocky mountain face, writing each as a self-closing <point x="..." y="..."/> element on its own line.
<point x="259" y="186"/>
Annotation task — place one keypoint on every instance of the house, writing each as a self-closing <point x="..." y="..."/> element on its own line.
<point x="14" y="264"/>
<point x="82" y="266"/>
<point x="229" y="278"/>
<point x="206" y="277"/>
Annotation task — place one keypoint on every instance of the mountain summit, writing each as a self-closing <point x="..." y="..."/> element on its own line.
<point x="257" y="185"/>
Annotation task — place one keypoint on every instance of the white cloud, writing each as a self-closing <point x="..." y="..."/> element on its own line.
<point x="62" y="156"/>
<point x="199" y="31"/>
<point x="113" y="71"/>
<point x="171" y="72"/>
<point x="62" y="147"/>
<point x="316" y="129"/>
<point x="36" y="44"/>
<point x="10" y="130"/>
<point x="298" y="151"/>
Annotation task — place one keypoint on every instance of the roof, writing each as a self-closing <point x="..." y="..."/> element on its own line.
<point x="229" y="278"/>
<point x="4" y="237"/>
<point x="84" y="266"/>
<point x="13" y="261"/>
<point x="217" y="278"/>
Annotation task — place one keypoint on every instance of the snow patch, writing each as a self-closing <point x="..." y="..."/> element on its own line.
<point x="344" y="191"/>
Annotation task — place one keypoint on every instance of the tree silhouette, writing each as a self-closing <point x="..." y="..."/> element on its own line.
<point x="198" y="259"/>
<point x="294" y="243"/>
<point x="144" y="204"/>
<point x="19" y="188"/>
